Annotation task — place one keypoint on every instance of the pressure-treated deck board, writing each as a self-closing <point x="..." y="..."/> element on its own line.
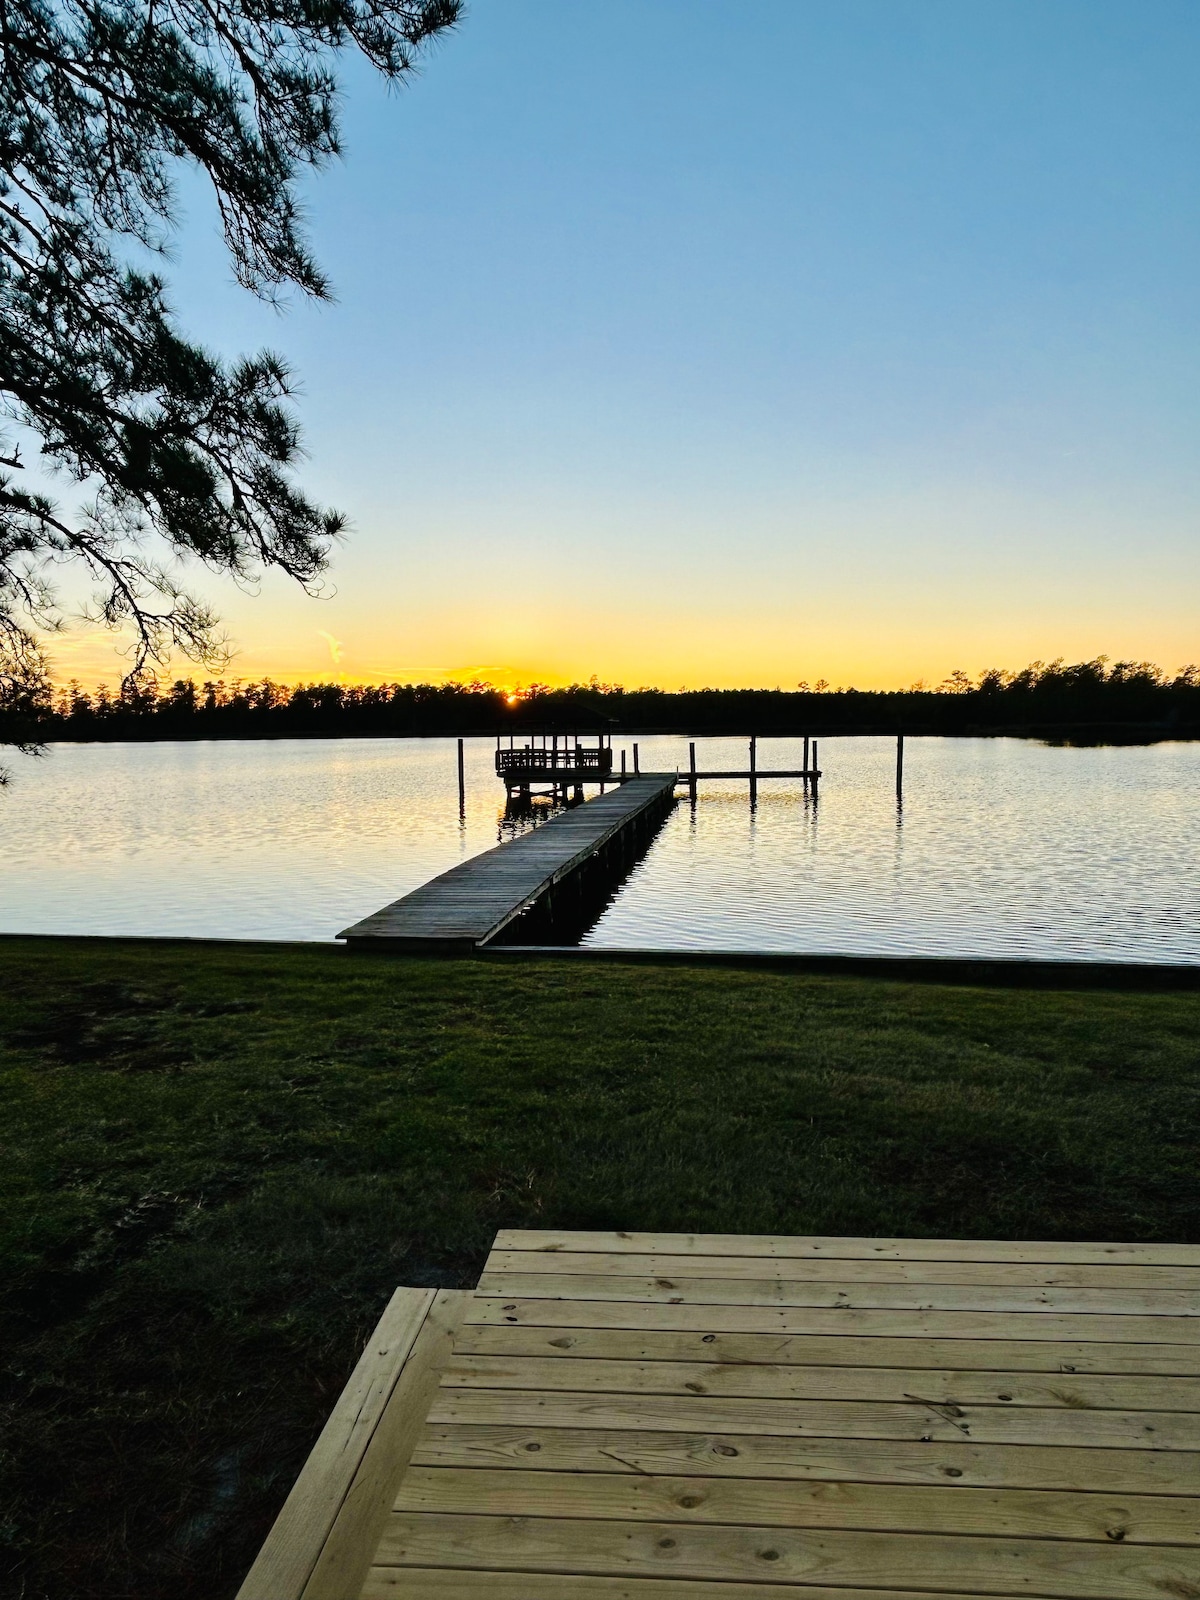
<point x="917" y="1419"/>
<point x="769" y="1503"/>
<point x="340" y="1499"/>
<point x="846" y="1273"/>
<point x="673" y="1417"/>
<point x="740" y="1455"/>
<point x="1061" y="1568"/>
<point x="764" y="1380"/>
<point x="832" y="1248"/>
<point x="472" y="902"/>
<point x="427" y="1583"/>
<point x="817" y="1350"/>
<point x="783" y="1291"/>
<point x="500" y="1310"/>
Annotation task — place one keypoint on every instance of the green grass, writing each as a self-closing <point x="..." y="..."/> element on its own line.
<point x="217" y="1162"/>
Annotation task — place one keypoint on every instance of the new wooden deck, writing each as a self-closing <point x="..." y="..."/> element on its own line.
<point x="469" y="905"/>
<point x="660" y="1417"/>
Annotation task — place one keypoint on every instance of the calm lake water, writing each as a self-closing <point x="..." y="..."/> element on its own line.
<point x="1003" y="847"/>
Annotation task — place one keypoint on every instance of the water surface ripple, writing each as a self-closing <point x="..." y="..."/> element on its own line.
<point x="1002" y="847"/>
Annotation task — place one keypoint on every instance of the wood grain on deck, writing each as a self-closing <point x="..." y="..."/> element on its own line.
<point x="682" y="1417"/>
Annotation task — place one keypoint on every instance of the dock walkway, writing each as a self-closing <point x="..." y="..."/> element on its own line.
<point x="669" y="1417"/>
<point x="469" y="905"/>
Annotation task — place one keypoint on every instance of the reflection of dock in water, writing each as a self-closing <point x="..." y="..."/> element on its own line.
<point x="553" y="868"/>
<point x="565" y="865"/>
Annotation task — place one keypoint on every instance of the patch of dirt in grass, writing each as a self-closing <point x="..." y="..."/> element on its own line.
<point x="120" y="1027"/>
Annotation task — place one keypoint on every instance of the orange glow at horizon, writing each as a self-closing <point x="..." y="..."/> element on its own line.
<point x="750" y="656"/>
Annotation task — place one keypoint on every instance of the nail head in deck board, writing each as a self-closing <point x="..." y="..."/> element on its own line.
<point x="834" y="1247"/>
<point x="783" y="1291"/>
<point x="732" y="1455"/>
<point x="767" y="1502"/>
<point x="814" y="1350"/>
<point x="465" y="907"/>
<point x="1046" y="1567"/>
<point x="766" y="1380"/>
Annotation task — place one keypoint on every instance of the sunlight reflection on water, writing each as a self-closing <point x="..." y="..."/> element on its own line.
<point x="1003" y="848"/>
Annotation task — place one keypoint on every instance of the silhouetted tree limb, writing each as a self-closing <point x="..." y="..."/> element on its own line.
<point x="177" y="453"/>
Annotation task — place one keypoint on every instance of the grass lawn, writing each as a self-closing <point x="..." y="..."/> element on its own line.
<point x="217" y="1161"/>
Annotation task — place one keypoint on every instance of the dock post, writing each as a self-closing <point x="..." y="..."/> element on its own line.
<point x="806" y="761"/>
<point x="622" y="763"/>
<point x="815" y="769"/>
<point x="753" y="770"/>
<point x="692" y="773"/>
<point x="899" y="766"/>
<point x="462" y="782"/>
<point x="636" y="767"/>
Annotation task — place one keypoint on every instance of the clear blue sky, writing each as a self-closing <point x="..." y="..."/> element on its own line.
<point x="688" y="342"/>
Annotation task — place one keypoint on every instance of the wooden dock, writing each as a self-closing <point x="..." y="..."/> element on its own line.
<point x="688" y="1417"/>
<point x="466" y="907"/>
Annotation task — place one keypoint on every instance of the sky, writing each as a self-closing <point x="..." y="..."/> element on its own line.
<point x="682" y="343"/>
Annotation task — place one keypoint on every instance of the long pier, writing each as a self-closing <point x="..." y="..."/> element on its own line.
<point x="467" y="907"/>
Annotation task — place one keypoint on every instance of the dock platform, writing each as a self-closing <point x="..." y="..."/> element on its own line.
<point x="639" y="1416"/>
<point x="468" y="906"/>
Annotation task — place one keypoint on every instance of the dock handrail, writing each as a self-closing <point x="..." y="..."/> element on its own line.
<point x="569" y="759"/>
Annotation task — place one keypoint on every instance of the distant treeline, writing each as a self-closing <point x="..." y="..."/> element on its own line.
<point x="1089" y="699"/>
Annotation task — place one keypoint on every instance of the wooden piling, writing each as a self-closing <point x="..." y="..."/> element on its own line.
<point x="462" y="781"/>
<point x="899" y="766"/>
<point x="753" y="769"/>
<point x="636" y="767"/>
<point x="623" y="764"/>
<point x="806" y="761"/>
<point x="816" y="772"/>
<point x="692" y="772"/>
